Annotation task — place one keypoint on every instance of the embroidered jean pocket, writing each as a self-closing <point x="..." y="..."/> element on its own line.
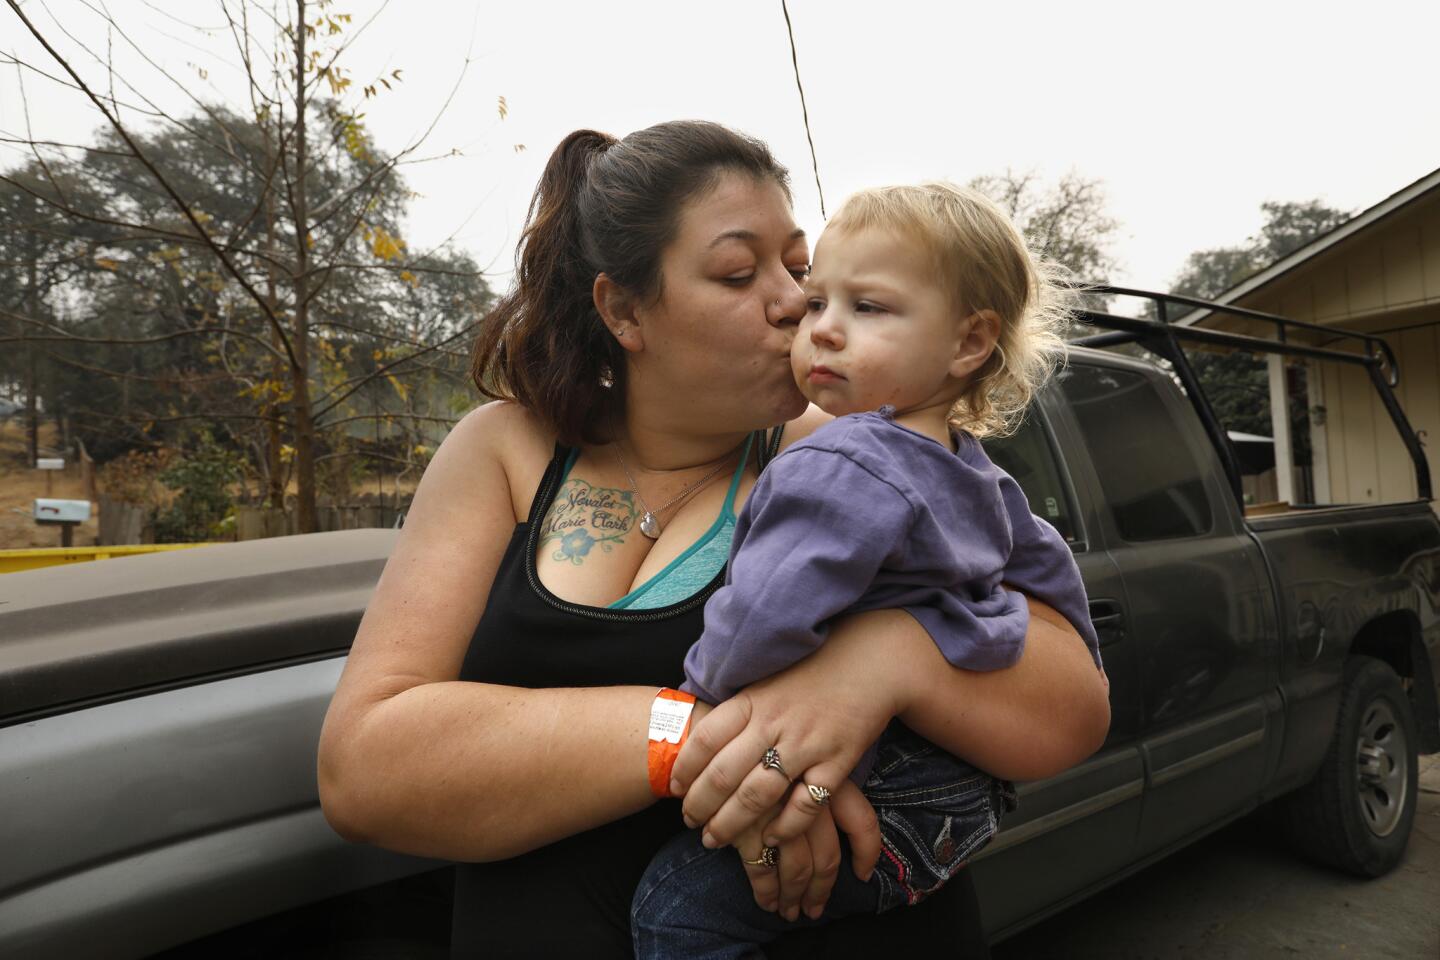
<point x="935" y="812"/>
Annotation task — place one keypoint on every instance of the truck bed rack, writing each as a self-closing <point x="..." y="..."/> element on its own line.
<point x="1163" y="337"/>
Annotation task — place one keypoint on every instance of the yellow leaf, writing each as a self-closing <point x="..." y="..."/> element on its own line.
<point x="400" y="388"/>
<point x="309" y="241"/>
<point x="384" y="245"/>
<point x="410" y="278"/>
<point x="378" y="355"/>
<point x="106" y="262"/>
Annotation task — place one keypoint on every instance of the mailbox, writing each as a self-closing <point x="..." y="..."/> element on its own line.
<point x="61" y="511"/>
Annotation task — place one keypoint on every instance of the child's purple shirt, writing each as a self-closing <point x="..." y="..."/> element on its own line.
<point x="866" y="514"/>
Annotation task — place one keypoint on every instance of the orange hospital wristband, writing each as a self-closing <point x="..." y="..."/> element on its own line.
<point x="669" y="726"/>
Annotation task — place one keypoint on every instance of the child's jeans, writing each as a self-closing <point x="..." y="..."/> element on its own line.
<point x="935" y="812"/>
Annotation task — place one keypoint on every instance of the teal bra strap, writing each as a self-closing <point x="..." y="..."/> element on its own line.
<point x="724" y="522"/>
<point x="729" y="507"/>
<point x="570" y="462"/>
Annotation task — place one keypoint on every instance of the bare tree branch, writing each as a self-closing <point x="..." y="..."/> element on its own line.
<point x="385" y="416"/>
<point x="125" y="375"/>
<point x="184" y="207"/>
<point x="386" y="368"/>
<point x="386" y="337"/>
<point x="62" y="336"/>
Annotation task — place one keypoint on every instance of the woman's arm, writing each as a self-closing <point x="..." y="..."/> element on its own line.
<point x="412" y="759"/>
<point x="1032" y="720"/>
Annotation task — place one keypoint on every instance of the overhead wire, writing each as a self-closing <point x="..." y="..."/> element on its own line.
<point x="804" y="111"/>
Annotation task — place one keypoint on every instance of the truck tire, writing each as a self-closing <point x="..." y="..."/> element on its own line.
<point x="1357" y="813"/>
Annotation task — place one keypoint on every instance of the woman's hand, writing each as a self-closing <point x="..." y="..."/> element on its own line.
<point x="809" y="864"/>
<point x="819" y="715"/>
<point x="1029" y="721"/>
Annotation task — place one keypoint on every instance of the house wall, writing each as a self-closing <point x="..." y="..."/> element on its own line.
<point x="1384" y="280"/>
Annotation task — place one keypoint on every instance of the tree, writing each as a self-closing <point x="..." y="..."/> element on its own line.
<point x="1238" y="383"/>
<point x="1209" y="273"/>
<point x="1066" y="222"/>
<point x="40" y="253"/>
<point x="1288" y="227"/>
<point x="242" y="268"/>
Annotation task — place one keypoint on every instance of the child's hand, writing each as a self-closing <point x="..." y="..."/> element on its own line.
<point x="852" y="813"/>
<point x="809" y="864"/>
<point x="805" y="870"/>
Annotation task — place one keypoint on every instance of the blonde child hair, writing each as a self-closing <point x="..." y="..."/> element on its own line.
<point x="986" y="264"/>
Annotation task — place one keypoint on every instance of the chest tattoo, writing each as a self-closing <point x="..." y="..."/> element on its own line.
<point x="583" y="516"/>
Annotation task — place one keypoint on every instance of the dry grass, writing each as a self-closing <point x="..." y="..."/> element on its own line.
<point x="21" y="484"/>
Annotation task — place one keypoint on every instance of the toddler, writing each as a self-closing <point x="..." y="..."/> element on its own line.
<point x="928" y="324"/>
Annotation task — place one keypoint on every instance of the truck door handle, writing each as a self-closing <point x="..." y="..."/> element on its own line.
<point x="1107" y="615"/>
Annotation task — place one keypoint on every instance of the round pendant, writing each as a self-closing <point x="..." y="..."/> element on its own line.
<point x="650" y="526"/>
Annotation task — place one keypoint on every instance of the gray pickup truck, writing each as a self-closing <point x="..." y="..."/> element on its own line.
<point x="159" y="715"/>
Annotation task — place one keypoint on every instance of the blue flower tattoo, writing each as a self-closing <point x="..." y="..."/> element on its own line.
<point x="575" y="545"/>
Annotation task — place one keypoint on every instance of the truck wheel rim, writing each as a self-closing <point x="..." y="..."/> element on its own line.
<point x="1381" y="759"/>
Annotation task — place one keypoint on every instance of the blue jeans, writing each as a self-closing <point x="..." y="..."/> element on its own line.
<point x="935" y="812"/>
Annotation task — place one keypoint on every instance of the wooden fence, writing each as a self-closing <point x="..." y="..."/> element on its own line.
<point x="122" y="523"/>
<point x="256" y="523"/>
<point x="125" y="523"/>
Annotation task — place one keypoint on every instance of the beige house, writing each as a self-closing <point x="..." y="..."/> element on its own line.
<point x="1378" y="273"/>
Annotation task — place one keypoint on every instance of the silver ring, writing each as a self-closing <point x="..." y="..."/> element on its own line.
<point x="820" y="795"/>
<point x="769" y="859"/>
<point x="771" y="761"/>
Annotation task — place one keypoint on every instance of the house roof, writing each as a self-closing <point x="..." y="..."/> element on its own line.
<point x="1357" y="223"/>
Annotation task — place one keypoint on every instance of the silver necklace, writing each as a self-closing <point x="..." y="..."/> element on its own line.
<point x="650" y="522"/>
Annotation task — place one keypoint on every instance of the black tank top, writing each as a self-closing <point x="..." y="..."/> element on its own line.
<point x="572" y="897"/>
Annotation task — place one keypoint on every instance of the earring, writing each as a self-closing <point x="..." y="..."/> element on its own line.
<point x="607" y="377"/>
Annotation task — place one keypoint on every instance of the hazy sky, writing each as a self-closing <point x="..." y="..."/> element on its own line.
<point x="1190" y="114"/>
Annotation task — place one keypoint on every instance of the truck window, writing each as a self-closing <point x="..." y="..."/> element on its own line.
<point x="1151" y="481"/>
<point x="1028" y="456"/>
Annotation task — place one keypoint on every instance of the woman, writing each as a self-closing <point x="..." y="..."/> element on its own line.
<point x="494" y="706"/>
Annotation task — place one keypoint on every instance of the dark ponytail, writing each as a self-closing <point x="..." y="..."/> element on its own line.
<point x="544" y="344"/>
<point x="602" y="206"/>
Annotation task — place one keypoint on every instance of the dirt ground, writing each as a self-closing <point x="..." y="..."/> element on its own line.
<point x="21" y="484"/>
